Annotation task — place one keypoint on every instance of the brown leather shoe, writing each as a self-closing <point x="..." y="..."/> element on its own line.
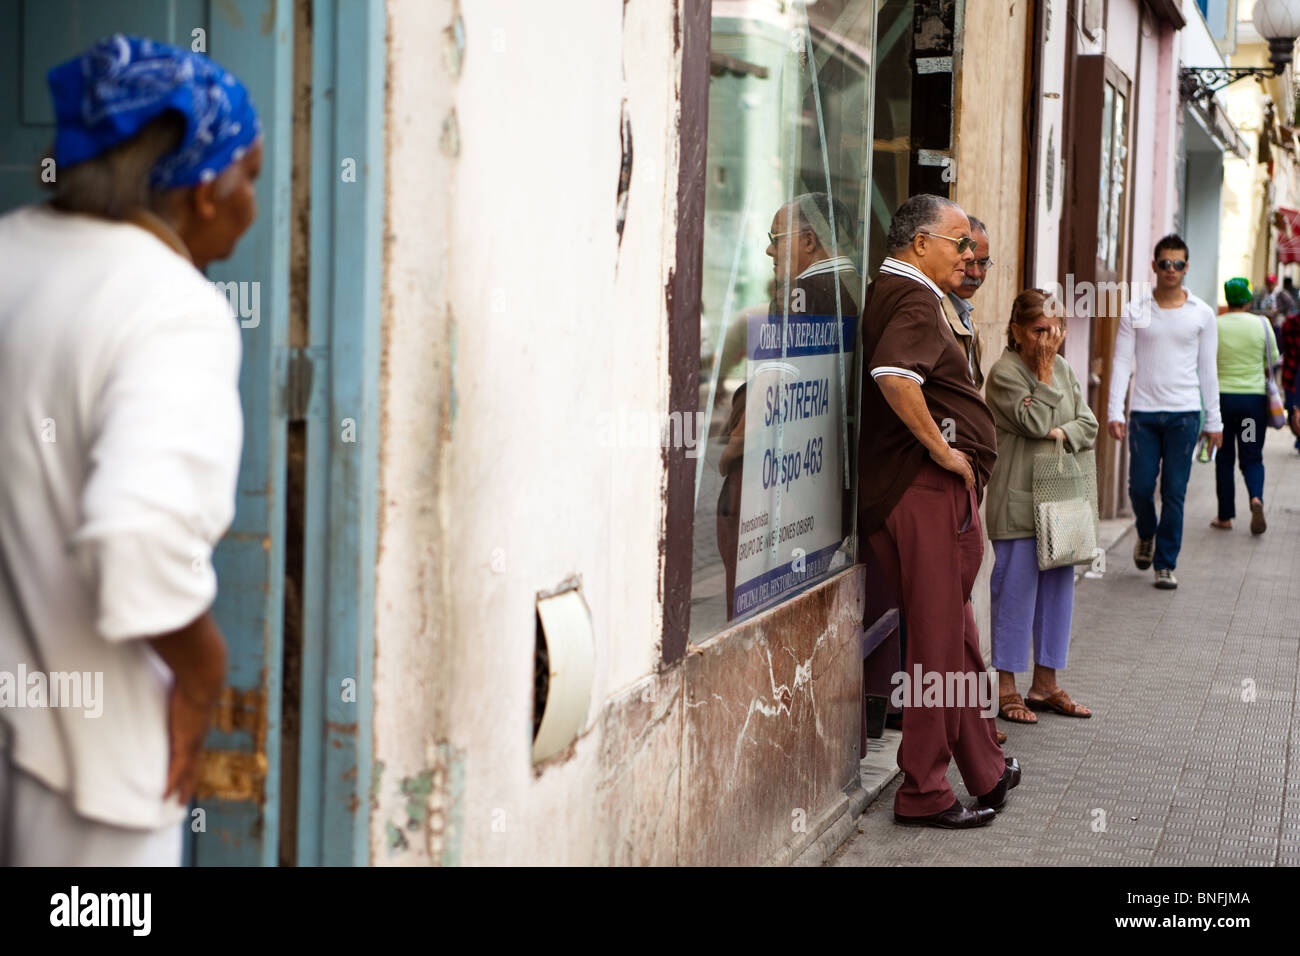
<point x="956" y="817"/>
<point x="1002" y="738"/>
<point x="997" y="797"/>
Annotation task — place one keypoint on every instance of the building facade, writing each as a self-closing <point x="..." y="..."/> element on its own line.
<point x="545" y="546"/>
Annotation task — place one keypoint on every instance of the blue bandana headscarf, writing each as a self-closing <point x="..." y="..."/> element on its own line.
<point x="112" y="91"/>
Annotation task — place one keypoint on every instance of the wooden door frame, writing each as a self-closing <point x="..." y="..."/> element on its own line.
<point x="1087" y="77"/>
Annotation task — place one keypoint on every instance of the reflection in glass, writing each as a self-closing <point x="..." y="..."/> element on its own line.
<point x="1103" y="205"/>
<point x="1119" y="156"/>
<point x="785" y="201"/>
<point x="1114" y="156"/>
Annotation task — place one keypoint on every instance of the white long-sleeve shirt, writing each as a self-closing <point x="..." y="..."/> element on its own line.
<point x="120" y="436"/>
<point x="1175" y="352"/>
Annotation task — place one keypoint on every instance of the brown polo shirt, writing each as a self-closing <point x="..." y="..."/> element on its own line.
<point x="904" y="332"/>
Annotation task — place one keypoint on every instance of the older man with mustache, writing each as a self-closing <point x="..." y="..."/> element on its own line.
<point x="957" y="305"/>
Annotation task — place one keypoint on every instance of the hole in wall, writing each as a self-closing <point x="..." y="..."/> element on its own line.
<point x="541" y="675"/>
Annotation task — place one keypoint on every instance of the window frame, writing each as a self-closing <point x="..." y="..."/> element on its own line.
<point x="684" y="293"/>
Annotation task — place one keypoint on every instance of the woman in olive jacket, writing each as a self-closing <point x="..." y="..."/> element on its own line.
<point x="1035" y="399"/>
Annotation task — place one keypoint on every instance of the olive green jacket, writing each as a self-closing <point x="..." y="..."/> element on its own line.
<point x="1022" y="433"/>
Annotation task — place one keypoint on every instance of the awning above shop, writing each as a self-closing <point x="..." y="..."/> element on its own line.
<point x="1211" y="119"/>
<point x="1288" y="243"/>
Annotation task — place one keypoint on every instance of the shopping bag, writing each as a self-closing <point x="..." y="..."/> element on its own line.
<point x="1276" y="407"/>
<point x="1065" y="507"/>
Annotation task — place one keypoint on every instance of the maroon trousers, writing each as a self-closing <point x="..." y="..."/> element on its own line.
<point x="930" y="549"/>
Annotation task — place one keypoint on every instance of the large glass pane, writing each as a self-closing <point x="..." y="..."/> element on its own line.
<point x="892" y="135"/>
<point x="1103" y="196"/>
<point x="1115" y="202"/>
<point x="785" y="206"/>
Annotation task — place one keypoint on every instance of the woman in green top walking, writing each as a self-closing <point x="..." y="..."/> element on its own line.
<point x="1035" y="399"/>
<point x="1245" y="341"/>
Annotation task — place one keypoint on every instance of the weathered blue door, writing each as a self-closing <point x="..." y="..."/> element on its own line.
<point x="240" y="786"/>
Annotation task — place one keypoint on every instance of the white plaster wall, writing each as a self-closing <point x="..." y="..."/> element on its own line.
<point x="513" y="308"/>
<point x="1204" y="180"/>
<point x="1245" y="183"/>
<point x="1047" y="242"/>
<point x="1123" y="35"/>
<point x="412" y="636"/>
<point x="1197" y="47"/>
<point x="1164" y="194"/>
<point x="1149" y="169"/>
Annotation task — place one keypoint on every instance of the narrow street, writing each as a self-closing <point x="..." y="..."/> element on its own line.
<point x="1186" y="758"/>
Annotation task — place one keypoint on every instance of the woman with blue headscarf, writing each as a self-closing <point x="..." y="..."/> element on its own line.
<point x="120" y="432"/>
<point x="160" y="136"/>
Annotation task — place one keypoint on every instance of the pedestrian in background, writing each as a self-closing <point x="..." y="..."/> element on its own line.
<point x="1265" y="302"/>
<point x="1289" y="346"/>
<point x="1168" y="343"/>
<point x="1287" y="301"/>
<point x="1245" y="344"/>
<point x="121" y="428"/>
<point x="1036" y="400"/>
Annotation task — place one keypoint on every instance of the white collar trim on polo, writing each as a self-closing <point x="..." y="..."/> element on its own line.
<point x="823" y="266"/>
<point x="896" y="267"/>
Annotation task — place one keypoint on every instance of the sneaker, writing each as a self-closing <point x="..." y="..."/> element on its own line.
<point x="1143" y="553"/>
<point x="1257" y="523"/>
<point x="1165" y="579"/>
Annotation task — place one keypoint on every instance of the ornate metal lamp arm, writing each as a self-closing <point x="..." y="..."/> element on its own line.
<point x="1196" y="82"/>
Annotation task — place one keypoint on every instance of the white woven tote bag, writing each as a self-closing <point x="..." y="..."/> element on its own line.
<point x="1065" y="507"/>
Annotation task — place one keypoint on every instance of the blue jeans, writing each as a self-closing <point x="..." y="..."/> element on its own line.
<point x="1161" y="443"/>
<point x="1245" y="425"/>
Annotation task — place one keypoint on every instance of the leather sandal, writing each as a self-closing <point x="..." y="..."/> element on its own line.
<point x="1009" y="704"/>
<point x="1059" y="703"/>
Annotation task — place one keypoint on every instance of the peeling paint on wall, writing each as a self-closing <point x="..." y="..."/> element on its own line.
<point x="376" y="780"/>
<point x="452" y="347"/>
<point x="624" y="172"/>
<point x="446" y="804"/>
<point x="417" y="790"/>
<point x="232" y="775"/>
<point x="449" y="141"/>
<point x="395" y="839"/>
<point x="453" y="44"/>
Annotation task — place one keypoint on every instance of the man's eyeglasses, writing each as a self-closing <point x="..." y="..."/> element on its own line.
<point x="1178" y="265"/>
<point x="964" y="245"/>
<point x="986" y="263"/>
<point x="772" y="237"/>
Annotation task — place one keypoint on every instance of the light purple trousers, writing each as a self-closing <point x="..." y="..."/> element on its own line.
<point x="1028" y="603"/>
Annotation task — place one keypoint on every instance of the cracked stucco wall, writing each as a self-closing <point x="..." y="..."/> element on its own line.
<point x="515" y="316"/>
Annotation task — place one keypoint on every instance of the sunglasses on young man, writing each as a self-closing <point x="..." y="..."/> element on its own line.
<point x="1178" y="265"/>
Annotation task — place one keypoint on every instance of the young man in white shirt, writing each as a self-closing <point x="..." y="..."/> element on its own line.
<point x="120" y="433"/>
<point x="1170" y="339"/>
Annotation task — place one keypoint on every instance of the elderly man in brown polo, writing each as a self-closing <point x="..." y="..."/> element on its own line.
<point x="926" y="451"/>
